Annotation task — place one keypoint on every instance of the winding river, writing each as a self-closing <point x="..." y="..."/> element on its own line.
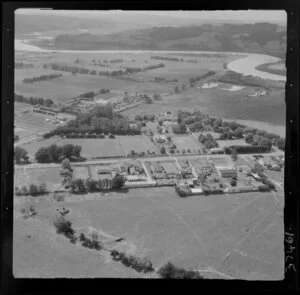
<point x="245" y="65"/>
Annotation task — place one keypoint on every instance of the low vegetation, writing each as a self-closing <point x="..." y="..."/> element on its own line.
<point x="28" y="210"/>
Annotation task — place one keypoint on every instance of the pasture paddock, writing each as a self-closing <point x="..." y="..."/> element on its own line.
<point x="190" y="232"/>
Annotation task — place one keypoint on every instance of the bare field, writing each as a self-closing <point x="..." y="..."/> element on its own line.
<point x="191" y="232"/>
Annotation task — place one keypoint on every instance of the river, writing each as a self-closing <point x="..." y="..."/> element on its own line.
<point x="245" y="65"/>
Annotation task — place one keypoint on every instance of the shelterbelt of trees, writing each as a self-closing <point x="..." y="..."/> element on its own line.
<point x="41" y="78"/>
<point x="100" y="120"/>
<point x="21" y="65"/>
<point x="33" y="100"/>
<point x="85" y="71"/>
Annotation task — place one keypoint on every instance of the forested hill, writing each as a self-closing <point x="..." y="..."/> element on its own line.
<point x="259" y="38"/>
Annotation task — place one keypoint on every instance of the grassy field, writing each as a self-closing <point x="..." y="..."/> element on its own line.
<point x="94" y="172"/>
<point x="239" y="235"/>
<point x="81" y="172"/>
<point x="94" y="148"/>
<point x="49" y="176"/>
<point x="185" y="142"/>
<point x="137" y="143"/>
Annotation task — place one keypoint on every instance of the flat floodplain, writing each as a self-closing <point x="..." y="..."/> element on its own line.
<point x="194" y="232"/>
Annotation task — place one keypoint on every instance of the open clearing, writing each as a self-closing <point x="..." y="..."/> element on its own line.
<point x="96" y="148"/>
<point x="49" y="176"/>
<point x="136" y="143"/>
<point x="185" y="142"/>
<point x="228" y="233"/>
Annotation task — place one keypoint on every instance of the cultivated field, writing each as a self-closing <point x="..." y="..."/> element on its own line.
<point x="239" y="235"/>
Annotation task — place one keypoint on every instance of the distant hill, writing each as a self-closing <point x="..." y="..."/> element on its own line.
<point x="26" y="24"/>
<point x="258" y="37"/>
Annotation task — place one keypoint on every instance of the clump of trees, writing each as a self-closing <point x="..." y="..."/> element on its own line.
<point x="170" y="271"/>
<point x="64" y="227"/>
<point x="137" y="263"/>
<point x="179" y="128"/>
<point x="99" y="120"/>
<point x="21" y="155"/>
<point x="41" y="78"/>
<point x="90" y="243"/>
<point x="54" y="153"/>
<point x="208" y="141"/>
<point x="66" y="172"/>
<point x="33" y="100"/>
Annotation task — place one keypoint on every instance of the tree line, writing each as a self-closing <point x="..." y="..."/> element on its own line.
<point x="166" y="58"/>
<point x="21" y="65"/>
<point x="33" y="100"/>
<point x="85" y="71"/>
<point x="41" y="78"/>
<point x="100" y="120"/>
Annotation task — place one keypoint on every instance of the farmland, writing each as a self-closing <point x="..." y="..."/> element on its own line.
<point x="186" y="142"/>
<point x="132" y="165"/>
<point x="49" y="176"/>
<point x="137" y="143"/>
<point x="194" y="233"/>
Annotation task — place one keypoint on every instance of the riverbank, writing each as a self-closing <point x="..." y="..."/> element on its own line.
<point x="245" y="65"/>
<point x="277" y="68"/>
